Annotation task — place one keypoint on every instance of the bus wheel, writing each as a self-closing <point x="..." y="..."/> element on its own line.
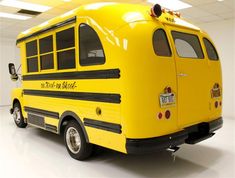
<point x="75" y="141"/>
<point x="18" y="117"/>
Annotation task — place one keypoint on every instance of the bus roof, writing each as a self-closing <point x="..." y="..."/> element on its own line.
<point x="110" y="15"/>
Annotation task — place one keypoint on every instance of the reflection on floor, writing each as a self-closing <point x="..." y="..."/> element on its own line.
<point x="33" y="153"/>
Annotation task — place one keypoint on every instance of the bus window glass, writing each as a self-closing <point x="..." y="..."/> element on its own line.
<point x="31" y="48"/>
<point x="66" y="59"/>
<point x="65" y="39"/>
<point x="46" y="53"/>
<point x="32" y="56"/>
<point x="187" y="45"/>
<point x="211" y="51"/>
<point x="90" y="47"/>
<point x="160" y="43"/>
<point x="65" y="43"/>
<point x="32" y="64"/>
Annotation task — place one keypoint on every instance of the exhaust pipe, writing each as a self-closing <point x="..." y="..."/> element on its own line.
<point x="173" y="149"/>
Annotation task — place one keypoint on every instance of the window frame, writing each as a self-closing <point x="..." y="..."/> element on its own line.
<point x="200" y="43"/>
<point x="205" y="38"/>
<point x="75" y="47"/>
<point x="79" y="44"/>
<point x="43" y="54"/>
<point x="31" y="57"/>
<point x="168" y="43"/>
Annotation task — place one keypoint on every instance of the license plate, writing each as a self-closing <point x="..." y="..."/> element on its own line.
<point x="167" y="99"/>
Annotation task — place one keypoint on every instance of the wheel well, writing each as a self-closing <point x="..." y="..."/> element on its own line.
<point x="65" y="122"/>
<point x="69" y="116"/>
<point x="15" y="101"/>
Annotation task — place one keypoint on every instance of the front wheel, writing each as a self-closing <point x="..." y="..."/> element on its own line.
<point x="18" y="117"/>
<point x="75" y="141"/>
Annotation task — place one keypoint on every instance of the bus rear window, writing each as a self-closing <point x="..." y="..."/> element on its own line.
<point x="187" y="45"/>
<point x="211" y="51"/>
<point x="160" y="43"/>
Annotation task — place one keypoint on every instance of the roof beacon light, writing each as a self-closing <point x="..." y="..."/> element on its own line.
<point x="156" y="11"/>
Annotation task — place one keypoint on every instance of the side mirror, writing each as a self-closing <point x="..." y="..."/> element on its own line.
<point x="12" y="71"/>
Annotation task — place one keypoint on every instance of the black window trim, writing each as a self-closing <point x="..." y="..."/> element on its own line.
<point x="168" y="43"/>
<point x="205" y="38"/>
<point x="87" y="63"/>
<point x="198" y="41"/>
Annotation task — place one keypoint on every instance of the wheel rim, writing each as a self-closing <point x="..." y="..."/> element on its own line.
<point x="73" y="140"/>
<point x="17" y="115"/>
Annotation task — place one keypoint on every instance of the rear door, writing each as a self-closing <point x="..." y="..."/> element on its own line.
<point x="192" y="77"/>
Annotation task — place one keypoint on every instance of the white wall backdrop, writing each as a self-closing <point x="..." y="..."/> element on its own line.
<point x="8" y="53"/>
<point x="223" y="35"/>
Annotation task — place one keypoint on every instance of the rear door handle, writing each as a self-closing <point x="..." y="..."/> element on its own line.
<point x="182" y="75"/>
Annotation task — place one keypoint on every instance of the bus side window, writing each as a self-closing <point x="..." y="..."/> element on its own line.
<point x="90" y="47"/>
<point x="65" y="45"/>
<point x="211" y="51"/>
<point x="160" y="43"/>
<point x="32" y="56"/>
<point x="46" y="53"/>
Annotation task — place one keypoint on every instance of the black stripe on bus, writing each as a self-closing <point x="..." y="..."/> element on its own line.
<point x="42" y="112"/>
<point x="116" y="128"/>
<point x="95" y="74"/>
<point x="97" y="97"/>
<point x="53" y="27"/>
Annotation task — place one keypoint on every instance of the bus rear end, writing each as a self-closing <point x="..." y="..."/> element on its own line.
<point x="175" y="86"/>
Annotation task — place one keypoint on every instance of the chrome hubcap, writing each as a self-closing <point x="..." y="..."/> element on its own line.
<point x="17" y="115"/>
<point x="73" y="140"/>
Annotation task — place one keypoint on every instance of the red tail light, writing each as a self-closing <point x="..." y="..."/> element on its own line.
<point x="160" y="115"/>
<point x="167" y="114"/>
<point x="216" y="104"/>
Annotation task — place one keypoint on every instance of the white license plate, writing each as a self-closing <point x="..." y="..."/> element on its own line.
<point x="167" y="99"/>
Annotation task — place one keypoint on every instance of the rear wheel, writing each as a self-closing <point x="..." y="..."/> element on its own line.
<point x="75" y="141"/>
<point x="18" y="117"/>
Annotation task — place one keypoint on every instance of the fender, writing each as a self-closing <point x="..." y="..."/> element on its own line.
<point x="17" y="95"/>
<point x="75" y="116"/>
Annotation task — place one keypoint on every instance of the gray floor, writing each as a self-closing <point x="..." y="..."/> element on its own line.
<point x="33" y="153"/>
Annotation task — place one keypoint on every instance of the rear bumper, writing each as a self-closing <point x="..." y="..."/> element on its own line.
<point x="190" y="135"/>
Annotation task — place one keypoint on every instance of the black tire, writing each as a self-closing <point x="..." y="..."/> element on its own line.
<point x="71" y="140"/>
<point x="18" y="117"/>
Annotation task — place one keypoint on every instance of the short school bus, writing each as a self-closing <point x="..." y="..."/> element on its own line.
<point x="132" y="78"/>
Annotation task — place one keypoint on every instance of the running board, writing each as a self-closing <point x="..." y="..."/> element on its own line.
<point x="198" y="138"/>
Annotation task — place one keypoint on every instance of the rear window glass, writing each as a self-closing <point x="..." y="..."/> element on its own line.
<point x="211" y="51"/>
<point x="187" y="45"/>
<point x="160" y="43"/>
<point x="90" y="48"/>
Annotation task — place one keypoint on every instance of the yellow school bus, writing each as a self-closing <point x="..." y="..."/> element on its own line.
<point x="131" y="78"/>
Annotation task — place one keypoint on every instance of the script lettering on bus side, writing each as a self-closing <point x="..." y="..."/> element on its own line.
<point x="59" y="85"/>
